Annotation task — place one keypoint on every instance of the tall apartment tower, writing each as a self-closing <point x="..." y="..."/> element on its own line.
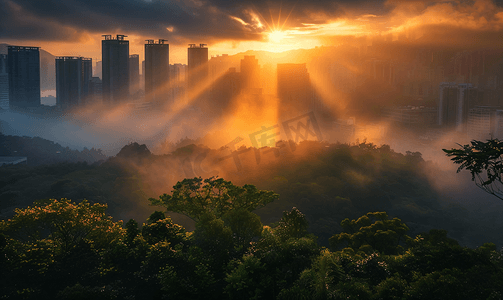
<point x="98" y="70"/>
<point x="95" y="90"/>
<point x="294" y="90"/>
<point x="4" y="83"/>
<point x="24" y="76"/>
<point x="197" y="65"/>
<point x="156" y="71"/>
<point x="73" y="76"/>
<point x="250" y="72"/>
<point x="178" y="82"/>
<point x="115" y="69"/>
<point x="455" y="101"/>
<point x="134" y="73"/>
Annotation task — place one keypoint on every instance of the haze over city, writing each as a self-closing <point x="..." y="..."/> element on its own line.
<point x="332" y="109"/>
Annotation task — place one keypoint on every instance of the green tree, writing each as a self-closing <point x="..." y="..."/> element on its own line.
<point x="65" y="223"/>
<point x="196" y="197"/>
<point x="485" y="163"/>
<point x="275" y="262"/>
<point x="364" y="236"/>
<point x="245" y="226"/>
<point x="293" y="224"/>
<point x="160" y="228"/>
<point x="323" y="276"/>
<point x="55" y="244"/>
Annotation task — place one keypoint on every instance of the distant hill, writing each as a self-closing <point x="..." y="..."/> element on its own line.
<point x="40" y="151"/>
<point x="47" y="68"/>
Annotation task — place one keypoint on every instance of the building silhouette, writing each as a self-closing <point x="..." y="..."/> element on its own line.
<point x="156" y="71"/>
<point x="178" y="82"/>
<point x="73" y="76"/>
<point x="455" y="101"/>
<point x="219" y="65"/>
<point x="483" y="122"/>
<point x="197" y="65"/>
<point x="250" y="73"/>
<point x="223" y="91"/>
<point x="95" y="91"/>
<point x="411" y="116"/>
<point x="98" y="69"/>
<point x="24" y="76"/>
<point x="115" y="69"/>
<point x="134" y="73"/>
<point x="294" y="90"/>
<point x="4" y="83"/>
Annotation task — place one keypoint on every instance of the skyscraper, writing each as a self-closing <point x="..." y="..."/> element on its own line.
<point x="482" y="122"/>
<point x="455" y="100"/>
<point x="73" y="76"/>
<point x="98" y="69"/>
<point x="4" y="83"/>
<point x="156" y="71"/>
<point x="134" y="73"/>
<point x="24" y="76"/>
<point x="197" y="65"/>
<point x="250" y="73"/>
<point x="294" y="90"/>
<point x="95" y="90"/>
<point x="115" y="66"/>
<point x="178" y="82"/>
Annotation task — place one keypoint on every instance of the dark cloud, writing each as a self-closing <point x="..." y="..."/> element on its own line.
<point x="212" y="19"/>
<point x="194" y="21"/>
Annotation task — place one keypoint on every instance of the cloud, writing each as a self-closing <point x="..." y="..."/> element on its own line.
<point x="466" y="24"/>
<point x="55" y="20"/>
<point x="213" y="21"/>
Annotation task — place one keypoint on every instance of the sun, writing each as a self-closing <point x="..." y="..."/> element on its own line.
<point x="276" y="36"/>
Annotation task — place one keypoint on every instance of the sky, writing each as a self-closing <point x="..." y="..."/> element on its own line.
<point x="75" y="27"/>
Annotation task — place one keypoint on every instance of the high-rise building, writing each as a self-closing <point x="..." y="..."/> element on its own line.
<point x="95" y="90"/>
<point x="455" y="100"/>
<point x="98" y="69"/>
<point x="219" y="65"/>
<point x="411" y="116"/>
<point x="178" y="82"/>
<point x="482" y="122"/>
<point x="142" y="76"/>
<point x="73" y="75"/>
<point x="134" y="73"/>
<point x="197" y="65"/>
<point x="115" y="69"/>
<point x="156" y="71"/>
<point x="294" y="90"/>
<point x="4" y="83"/>
<point x="224" y="90"/>
<point x="250" y="73"/>
<point x="24" y="76"/>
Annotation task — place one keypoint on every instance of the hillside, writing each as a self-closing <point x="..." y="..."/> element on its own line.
<point x="326" y="182"/>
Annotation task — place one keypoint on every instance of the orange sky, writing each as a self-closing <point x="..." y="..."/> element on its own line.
<point x="255" y="26"/>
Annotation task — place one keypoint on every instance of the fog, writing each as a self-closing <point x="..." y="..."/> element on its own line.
<point x="77" y="134"/>
<point x="342" y="92"/>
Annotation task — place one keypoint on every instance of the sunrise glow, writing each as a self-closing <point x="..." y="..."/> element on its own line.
<point x="277" y="36"/>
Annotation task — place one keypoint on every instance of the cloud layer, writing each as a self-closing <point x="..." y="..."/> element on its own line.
<point x="479" y="21"/>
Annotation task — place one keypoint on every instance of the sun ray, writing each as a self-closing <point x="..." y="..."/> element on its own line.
<point x="287" y="17"/>
<point x="279" y="17"/>
<point x="262" y="17"/>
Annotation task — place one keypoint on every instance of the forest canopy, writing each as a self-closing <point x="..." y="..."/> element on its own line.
<point x="59" y="249"/>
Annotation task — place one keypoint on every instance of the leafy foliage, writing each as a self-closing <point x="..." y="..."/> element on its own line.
<point x="485" y="163"/>
<point x="196" y="197"/>
<point x="65" y="223"/>
<point x="59" y="249"/>
<point x="362" y="235"/>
